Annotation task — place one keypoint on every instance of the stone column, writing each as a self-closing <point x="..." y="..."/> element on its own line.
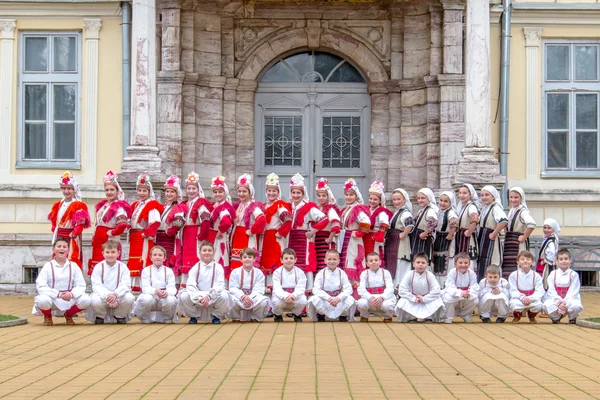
<point x="479" y="163"/>
<point x="142" y="152"/>
<point x="171" y="36"/>
<point x="397" y="42"/>
<point x="91" y="29"/>
<point x="436" y="57"/>
<point x="7" y="36"/>
<point x="244" y="129"/>
<point x="380" y="123"/>
<point x="453" y="36"/>
<point x="229" y="126"/>
<point x="532" y="104"/>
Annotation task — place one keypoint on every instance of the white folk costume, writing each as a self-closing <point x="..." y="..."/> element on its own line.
<point x="286" y="283"/>
<point x="221" y="222"/>
<point x="149" y="307"/>
<point x="54" y="279"/>
<point x="526" y="285"/>
<point x="380" y="223"/>
<point x="443" y="249"/>
<point x="206" y="280"/>
<point x="250" y="283"/>
<point x="494" y="304"/>
<point x="425" y="285"/>
<point x="455" y="303"/>
<point x="375" y="284"/>
<point x="563" y="286"/>
<point x="172" y="220"/>
<point x="519" y="220"/>
<point x="468" y="213"/>
<point x="355" y="224"/>
<point x="145" y="221"/>
<point x="398" y="252"/>
<point x="69" y="218"/>
<point x="426" y="219"/>
<point x="108" y="279"/>
<point x="112" y="219"/>
<point x="546" y="259"/>
<point x="492" y="215"/>
<point x="331" y="283"/>
<point x="196" y="228"/>
<point x="306" y="217"/>
<point x="249" y="216"/>
<point x="332" y="230"/>
<point x="278" y="215"/>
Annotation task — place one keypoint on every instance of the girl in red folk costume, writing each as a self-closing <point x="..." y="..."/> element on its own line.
<point x="221" y="221"/>
<point x="145" y="221"/>
<point x="112" y="218"/>
<point x="172" y="220"/>
<point x="380" y="221"/>
<point x="307" y="221"/>
<point x="327" y="238"/>
<point x="278" y="214"/>
<point x="355" y="224"/>
<point x="197" y="224"/>
<point x="69" y="217"/>
<point x="249" y="222"/>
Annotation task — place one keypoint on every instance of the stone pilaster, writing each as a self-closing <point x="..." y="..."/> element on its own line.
<point x="91" y="29"/>
<point x="207" y="40"/>
<point x="437" y="41"/>
<point x="453" y="36"/>
<point x="170" y="120"/>
<point x="417" y="41"/>
<point x="532" y="102"/>
<point x="452" y="125"/>
<point x="433" y="132"/>
<point x="171" y="35"/>
<point x="395" y="161"/>
<point x="380" y="122"/>
<point x="188" y="132"/>
<point x="229" y="127"/>
<point x="397" y="41"/>
<point x="244" y="128"/>
<point x="413" y="136"/>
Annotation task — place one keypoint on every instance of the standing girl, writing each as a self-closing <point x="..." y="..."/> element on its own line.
<point x="520" y="226"/>
<point x="546" y="260"/>
<point x="425" y="224"/>
<point x="397" y="241"/>
<point x="380" y="221"/>
<point x="493" y="221"/>
<point x="468" y="218"/>
<point x="221" y="221"/>
<point x="443" y="247"/>
<point x="327" y="238"/>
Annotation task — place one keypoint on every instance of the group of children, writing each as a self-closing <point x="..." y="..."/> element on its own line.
<point x="440" y="230"/>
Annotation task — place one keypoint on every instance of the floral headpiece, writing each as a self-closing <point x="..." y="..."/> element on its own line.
<point x="246" y="181"/>
<point x="173" y="183"/>
<point x="111" y="179"/>
<point x="144" y="180"/>
<point x="350" y="184"/>
<point x="378" y="188"/>
<point x="67" y="179"/>
<point x="323" y="186"/>
<point x="194" y="179"/>
<point x="218" y="182"/>
<point x="273" y="181"/>
<point x="297" y="182"/>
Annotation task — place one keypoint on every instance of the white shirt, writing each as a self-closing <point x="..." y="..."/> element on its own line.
<point x="54" y="279"/>
<point x="158" y="278"/>
<point x="250" y="280"/>
<point x="295" y="278"/>
<point x="519" y="280"/>
<point x="205" y="280"/>
<point x="107" y="279"/>
<point x="380" y="278"/>
<point x="330" y="281"/>
<point x="457" y="279"/>
<point x="424" y="284"/>
<point x="486" y="288"/>
<point x="560" y="278"/>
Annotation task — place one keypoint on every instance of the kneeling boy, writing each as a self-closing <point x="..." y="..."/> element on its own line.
<point x="111" y="286"/>
<point x="289" y="285"/>
<point x="247" y="288"/>
<point x="493" y="295"/>
<point x="563" y="290"/>
<point x="376" y="290"/>
<point x="205" y="297"/>
<point x="460" y="294"/>
<point x="526" y="289"/>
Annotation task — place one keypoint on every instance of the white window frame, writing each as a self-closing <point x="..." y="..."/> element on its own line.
<point x="571" y="87"/>
<point x="48" y="78"/>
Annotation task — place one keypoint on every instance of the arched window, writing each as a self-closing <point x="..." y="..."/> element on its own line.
<point x="310" y="67"/>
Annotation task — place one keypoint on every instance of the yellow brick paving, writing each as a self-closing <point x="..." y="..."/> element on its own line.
<point x="298" y="361"/>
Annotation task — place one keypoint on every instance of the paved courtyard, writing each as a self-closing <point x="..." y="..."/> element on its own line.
<point x="298" y="361"/>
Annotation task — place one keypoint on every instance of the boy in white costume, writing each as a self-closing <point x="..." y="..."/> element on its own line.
<point x="526" y="289"/>
<point x="157" y="303"/>
<point x="112" y="300"/>
<point x="420" y="294"/>
<point x="247" y="288"/>
<point x="332" y="293"/>
<point x="461" y="290"/>
<point x="205" y="297"/>
<point x="494" y="295"/>
<point x="376" y="290"/>
<point x="289" y="286"/>
<point x="60" y="286"/>
<point x="563" y="296"/>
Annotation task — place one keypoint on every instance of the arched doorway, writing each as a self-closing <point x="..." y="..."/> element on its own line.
<point x="312" y="116"/>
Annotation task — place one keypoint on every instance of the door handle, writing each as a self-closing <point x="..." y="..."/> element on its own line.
<point x="314" y="166"/>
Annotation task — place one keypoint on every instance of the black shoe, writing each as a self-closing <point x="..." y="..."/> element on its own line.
<point x="500" y="320"/>
<point x="428" y="320"/>
<point x="486" y="320"/>
<point x="320" y="318"/>
<point x="303" y="315"/>
<point x="412" y="320"/>
<point x="99" y="321"/>
<point x="573" y="321"/>
<point x="278" y="318"/>
<point x="343" y="319"/>
<point x="193" y="321"/>
<point x="289" y="315"/>
<point x="556" y="321"/>
<point x="121" y="321"/>
<point x="297" y="318"/>
<point x="215" y="320"/>
<point x="357" y="313"/>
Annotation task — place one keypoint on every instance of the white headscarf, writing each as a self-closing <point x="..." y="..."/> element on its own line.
<point x="554" y="225"/>
<point x="452" y="198"/>
<point x="67" y="179"/>
<point x="246" y="181"/>
<point x="404" y="194"/>
<point x="323" y="186"/>
<point x="521" y="193"/>
<point x="218" y="182"/>
<point x="432" y="203"/>
<point x="350" y="184"/>
<point x="144" y="180"/>
<point x="494" y="193"/>
<point x="297" y="182"/>
<point x="474" y="197"/>
<point x="111" y="179"/>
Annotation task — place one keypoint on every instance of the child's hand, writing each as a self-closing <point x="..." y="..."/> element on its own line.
<point x="495" y="291"/>
<point x="493" y="236"/>
<point x="465" y="294"/>
<point x="376" y="301"/>
<point x="423" y="236"/>
<point x="310" y="234"/>
<point x="334" y="301"/>
<point x="402" y="235"/>
<point x="419" y="298"/>
<point x="449" y="237"/>
<point x="247" y="301"/>
<point x="521" y="238"/>
<point x="204" y="301"/>
<point x="468" y="234"/>
<point x="526" y="300"/>
<point x="248" y="232"/>
<point x="290" y="299"/>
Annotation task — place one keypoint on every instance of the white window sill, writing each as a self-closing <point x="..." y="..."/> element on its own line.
<point x="571" y="174"/>
<point x="76" y="165"/>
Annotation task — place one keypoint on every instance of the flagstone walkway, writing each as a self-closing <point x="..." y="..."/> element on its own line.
<point x="298" y="361"/>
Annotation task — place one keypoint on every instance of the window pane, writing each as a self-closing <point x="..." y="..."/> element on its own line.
<point x="586" y="63"/>
<point x="325" y="63"/>
<point x="65" y="53"/>
<point x="301" y="63"/>
<point x="557" y="63"/>
<point x="341" y="142"/>
<point x="558" y="111"/>
<point x="586" y="111"/>
<point x="64" y="102"/>
<point x="557" y="149"/>
<point x="587" y="150"/>
<point x="36" y="54"/>
<point x="346" y="73"/>
<point x="279" y="73"/>
<point x="35" y="102"/>
<point x="35" y="141"/>
<point x="283" y="141"/>
<point x="64" y="141"/>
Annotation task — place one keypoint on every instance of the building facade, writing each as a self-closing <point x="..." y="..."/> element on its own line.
<point x="401" y="91"/>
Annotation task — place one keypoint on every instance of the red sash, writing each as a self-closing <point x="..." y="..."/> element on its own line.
<point x="526" y="292"/>
<point x="289" y="289"/>
<point x="376" y="290"/>
<point x="562" y="290"/>
<point x="247" y="292"/>
<point x="463" y="288"/>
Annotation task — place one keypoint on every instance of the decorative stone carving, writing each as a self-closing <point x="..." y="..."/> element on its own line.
<point x="374" y="34"/>
<point x="313" y="31"/>
<point x="249" y="34"/>
<point x="532" y="36"/>
<point x="7" y="27"/>
<point x="91" y="28"/>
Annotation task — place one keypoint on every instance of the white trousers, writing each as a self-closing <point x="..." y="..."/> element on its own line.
<point x="101" y="308"/>
<point x="461" y="308"/>
<point x="517" y="305"/>
<point x="386" y="309"/>
<point x="493" y="307"/>
<point x="345" y="308"/>
<point x="219" y="306"/>
<point x="147" y="303"/>
<point x="574" y="308"/>
<point x="280" y="306"/>
<point x="59" y="306"/>
<point x="257" y="312"/>
<point x="405" y="316"/>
